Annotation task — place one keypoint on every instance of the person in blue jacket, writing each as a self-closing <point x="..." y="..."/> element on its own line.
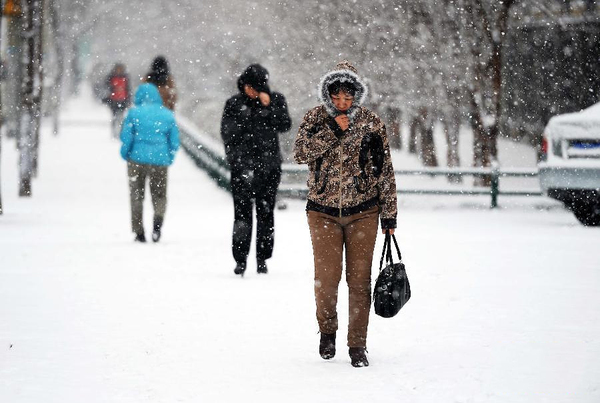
<point x="150" y="141"/>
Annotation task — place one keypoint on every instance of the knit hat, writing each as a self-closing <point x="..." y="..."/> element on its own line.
<point x="346" y="65"/>
<point x="159" y="71"/>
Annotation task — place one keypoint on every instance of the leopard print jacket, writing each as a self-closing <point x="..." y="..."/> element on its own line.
<point x="350" y="171"/>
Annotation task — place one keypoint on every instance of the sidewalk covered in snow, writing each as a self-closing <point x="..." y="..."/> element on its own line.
<point x="504" y="309"/>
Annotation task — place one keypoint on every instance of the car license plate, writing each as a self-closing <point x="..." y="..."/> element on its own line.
<point x="585" y="144"/>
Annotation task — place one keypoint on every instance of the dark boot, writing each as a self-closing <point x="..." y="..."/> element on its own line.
<point x="156" y="229"/>
<point x="240" y="268"/>
<point x="327" y="346"/>
<point x="140" y="238"/>
<point x="261" y="267"/>
<point x="358" y="356"/>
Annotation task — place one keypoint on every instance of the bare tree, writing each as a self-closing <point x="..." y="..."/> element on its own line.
<point x="58" y="39"/>
<point x="1" y="112"/>
<point x="485" y="24"/>
<point x="31" y="85"/>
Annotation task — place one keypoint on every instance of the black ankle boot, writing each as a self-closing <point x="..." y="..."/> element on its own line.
<point x="261" y="267"/>
<point x="140" y="238"/>
<point x="240" y="268"/>
<point x="156" y="229"/>
<point x="327" y="346"/>
<point x="358" y="356"/>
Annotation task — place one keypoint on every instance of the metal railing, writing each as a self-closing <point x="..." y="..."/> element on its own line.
<point x="208" y="154"/>
<point x="494" y="173"/>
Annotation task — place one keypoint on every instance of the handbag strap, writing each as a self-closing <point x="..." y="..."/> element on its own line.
<point x="387" y="250"/>
<point x="397" y="247"/>
<point x="386" y="245"/>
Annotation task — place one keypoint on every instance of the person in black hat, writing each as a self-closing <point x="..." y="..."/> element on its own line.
<point x="250" y="127"/>
<point x="160" y="75"/>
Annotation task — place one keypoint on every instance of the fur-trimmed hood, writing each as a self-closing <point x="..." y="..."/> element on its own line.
<point x="344" y="72"/>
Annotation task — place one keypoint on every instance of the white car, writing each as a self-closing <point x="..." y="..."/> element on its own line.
<point x="570" y="170"/>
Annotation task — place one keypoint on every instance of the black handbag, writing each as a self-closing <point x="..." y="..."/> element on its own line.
<point x="392" y="289"/>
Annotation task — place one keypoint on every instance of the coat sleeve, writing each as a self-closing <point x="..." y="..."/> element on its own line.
<point x="231" y="127"/>
<point x="173" y="140"/>
<point x="280" y="117"/>
<point x="127" y="134"/>
<point x="386" y="182"/>
<point x="314" y="139"/>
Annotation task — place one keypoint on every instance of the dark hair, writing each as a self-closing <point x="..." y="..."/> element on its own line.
<point x="117" y="66"/>
<point x="338" y="86"/>
<point x="159" y="71"/>
<point x="256" y="76"/>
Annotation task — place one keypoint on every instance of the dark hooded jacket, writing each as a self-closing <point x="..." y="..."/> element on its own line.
<point x="350" y="171"/>
<point x="250" y="131"/>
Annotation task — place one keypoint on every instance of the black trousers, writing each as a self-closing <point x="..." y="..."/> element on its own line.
<point x="253" y="187"/>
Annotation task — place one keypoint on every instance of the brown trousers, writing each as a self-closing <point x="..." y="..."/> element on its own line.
<point x="137" y="189"/>
<point x="329" y="235"/>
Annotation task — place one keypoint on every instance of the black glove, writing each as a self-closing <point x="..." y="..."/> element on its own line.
<point x="337" y="130"/>
<point x="373" y="144"/>
<point x="377" y="154"/>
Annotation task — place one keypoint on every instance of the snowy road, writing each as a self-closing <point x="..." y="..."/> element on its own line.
<point x="505" y="308"/>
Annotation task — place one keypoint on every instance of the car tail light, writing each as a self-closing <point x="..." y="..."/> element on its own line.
<point x="544" y="149"/>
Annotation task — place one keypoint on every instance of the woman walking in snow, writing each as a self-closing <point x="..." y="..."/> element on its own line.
<point x="150" y="141"/>
<point x="351" y="184"/>
<point x="118" y="97"/>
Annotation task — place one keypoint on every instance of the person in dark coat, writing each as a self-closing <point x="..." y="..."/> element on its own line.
<point x="118" y="95"/>
<point x="250" y="127"/>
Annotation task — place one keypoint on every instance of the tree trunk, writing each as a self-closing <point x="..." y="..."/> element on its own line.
<point x="58" y="40"/>
<point x="413" y="129"/>
<point x="451" y="129"/>
<point x="487" y="102"/>
<point x="394" y="135"/>
<point x="428" y="146"/>
<point x="421" y="138"/>
<point x="75" y="73"/>
<point x="13" y="71"/>
<point x="32" y="93"/>
<point x="1" y="113"/>
<point x="501" y="26"/>
<point x="481" y="139"/>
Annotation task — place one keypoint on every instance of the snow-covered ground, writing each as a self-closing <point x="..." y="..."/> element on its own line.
<point x="505" y="307"/>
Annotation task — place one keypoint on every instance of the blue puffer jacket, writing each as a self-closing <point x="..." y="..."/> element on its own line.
<point x="149" y="133"/>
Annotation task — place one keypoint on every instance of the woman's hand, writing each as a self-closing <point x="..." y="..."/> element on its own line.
<point x="390" y="230"/>
<point x="343" y="122"/>
<point x="264" y="98"/>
